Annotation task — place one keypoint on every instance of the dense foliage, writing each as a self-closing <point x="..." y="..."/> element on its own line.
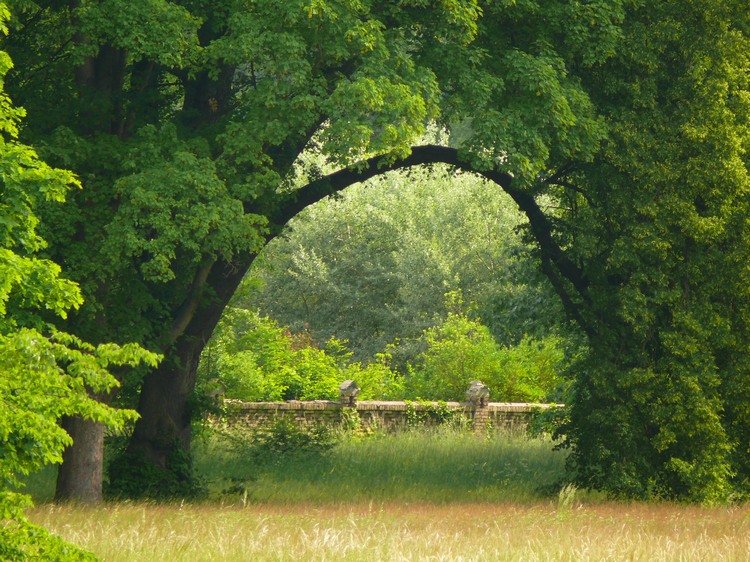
<point x="44" y="373"/>
<point x="660" y="221"/>
<point x="183" y="119"/>
<point x="251" y="358"/>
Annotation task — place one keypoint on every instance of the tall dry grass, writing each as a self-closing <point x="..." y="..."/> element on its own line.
<point x="389" y="531"/>
<point x="436" y="495"/>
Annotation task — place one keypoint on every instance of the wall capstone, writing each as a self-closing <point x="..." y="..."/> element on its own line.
<point x="348" y="392"/>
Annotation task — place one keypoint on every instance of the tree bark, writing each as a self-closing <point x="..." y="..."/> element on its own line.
<point x="164" y="405"/>
<point x="80" y="476"/>
<point x="165" y="399"/>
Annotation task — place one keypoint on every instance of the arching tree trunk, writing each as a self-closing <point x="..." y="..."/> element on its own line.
<point x="163" y="431"/>
<point x="164" y="404"/>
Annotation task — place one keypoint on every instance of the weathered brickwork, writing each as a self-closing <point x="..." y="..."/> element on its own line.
<point x="390" y="415"/>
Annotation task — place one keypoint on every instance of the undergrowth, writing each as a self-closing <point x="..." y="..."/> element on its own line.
<point x="283" y="463"/>
<point x="286" y="464"/>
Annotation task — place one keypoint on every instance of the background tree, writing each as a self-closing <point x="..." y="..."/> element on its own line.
<point x="44" y="373"/>
<point x="461" y="350"/>
<point x="373" y="266"/>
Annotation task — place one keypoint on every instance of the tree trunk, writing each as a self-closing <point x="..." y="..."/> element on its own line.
<point x="80" y="475"/>
<point x="163" y="431"/>
<point x="99" y="80"/>
<point x="164" y="405"/>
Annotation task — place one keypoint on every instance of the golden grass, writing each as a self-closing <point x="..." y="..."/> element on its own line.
<point x="403" y="531"/>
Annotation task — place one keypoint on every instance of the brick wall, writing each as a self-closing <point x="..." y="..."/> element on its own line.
<point x="390" y="415"/>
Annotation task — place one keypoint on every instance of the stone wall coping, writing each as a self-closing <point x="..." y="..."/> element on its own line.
<point x="289" y="405"/>
<point x="393" y="405"/>
<point x="519" y="406"/>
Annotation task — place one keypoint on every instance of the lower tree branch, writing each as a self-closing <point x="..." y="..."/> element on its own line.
<point x="184" y="314"/>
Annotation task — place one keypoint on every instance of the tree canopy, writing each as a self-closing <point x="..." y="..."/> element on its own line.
<point x="44" y="373"/>
<point x="664" y="207"/>
<point x="182" y="120"/>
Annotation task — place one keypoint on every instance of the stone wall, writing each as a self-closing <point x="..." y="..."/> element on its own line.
<point x="390" y="415"/>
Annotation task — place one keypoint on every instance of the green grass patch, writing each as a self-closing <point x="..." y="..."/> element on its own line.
<point x="437" y="465"/>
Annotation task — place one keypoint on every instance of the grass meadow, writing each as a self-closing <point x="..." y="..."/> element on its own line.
<point x="436" y="465"/>
<point x="419" y="495"/>
<point x="392" y="531"/>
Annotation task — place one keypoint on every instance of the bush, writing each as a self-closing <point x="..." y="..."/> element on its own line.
<point x="462" y="350"/>
<point x="421" y="413"/>
<point x="376" y="380"/>
<point x="254" y="359"/>
<point x="285" y="438"/>
<point x="20" y="541"/>
<point x="132" y="476"/>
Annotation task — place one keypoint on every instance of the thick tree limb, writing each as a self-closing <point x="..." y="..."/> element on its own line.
<point x="432" y="154"/>
<point x="184" y="315"/>
<point x="338" y="181"/>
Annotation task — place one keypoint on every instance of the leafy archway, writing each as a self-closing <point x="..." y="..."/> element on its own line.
<point x="396" y="271"/>
<point x="183" y="118"/>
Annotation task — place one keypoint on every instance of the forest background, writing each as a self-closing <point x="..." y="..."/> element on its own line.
<point x="413" y="285"/>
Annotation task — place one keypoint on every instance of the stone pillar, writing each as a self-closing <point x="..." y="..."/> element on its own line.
<point x="348" y="415"/>
<point x="478" y="395"/>
<point x="348" y="391"/>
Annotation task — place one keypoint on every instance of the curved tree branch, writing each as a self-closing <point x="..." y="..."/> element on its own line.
<point x="432" y="154"/>
<point x="555" y="263"/>
<point x="184" y="314"/>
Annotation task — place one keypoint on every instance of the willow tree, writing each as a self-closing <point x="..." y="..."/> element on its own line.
<point x="374" y="265"/>
<point x="182" y="121"/>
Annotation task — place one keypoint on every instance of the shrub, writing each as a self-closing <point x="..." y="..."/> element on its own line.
<point x="461" y="350"/>
<point x="132" y="476"/>
<point x="285" y="438"/>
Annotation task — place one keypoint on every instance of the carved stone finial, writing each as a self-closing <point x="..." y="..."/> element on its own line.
<point x="478" y="393"/>
<point x="348" y="391"/>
